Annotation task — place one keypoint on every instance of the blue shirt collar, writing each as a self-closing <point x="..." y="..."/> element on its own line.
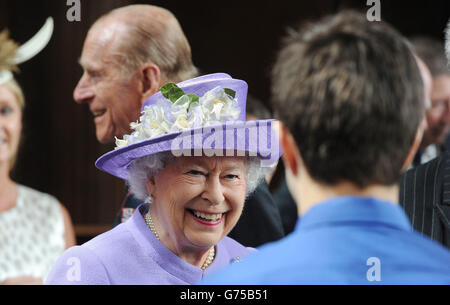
<point x="346" y="209"/>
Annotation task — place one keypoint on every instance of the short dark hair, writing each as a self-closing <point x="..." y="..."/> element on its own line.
<point x="350" y="92"/>
<point x="432" y="52"/>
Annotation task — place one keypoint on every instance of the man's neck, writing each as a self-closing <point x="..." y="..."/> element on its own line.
<point x="313" y="193"/>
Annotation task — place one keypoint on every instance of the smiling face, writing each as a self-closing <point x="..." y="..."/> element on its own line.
<point x="10" y="126"/>
<point x="197" y="200"/>
<point x="113" y="101"/>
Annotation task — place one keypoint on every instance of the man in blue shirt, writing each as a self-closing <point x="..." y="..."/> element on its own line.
<point x="351" y="100"/>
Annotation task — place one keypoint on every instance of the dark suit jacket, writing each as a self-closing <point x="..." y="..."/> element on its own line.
<point x="287" y="206"/>
<point x="425" y="197"/>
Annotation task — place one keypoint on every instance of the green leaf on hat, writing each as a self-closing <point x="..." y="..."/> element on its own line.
<point x="230" y="92"/>
<point x="172" y="92"/>
<point x="193" y="98"/>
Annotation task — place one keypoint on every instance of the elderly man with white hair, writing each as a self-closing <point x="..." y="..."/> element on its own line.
<point x="425" y="191"/>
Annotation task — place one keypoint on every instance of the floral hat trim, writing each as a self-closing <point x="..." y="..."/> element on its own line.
<point x="180" y="111"/>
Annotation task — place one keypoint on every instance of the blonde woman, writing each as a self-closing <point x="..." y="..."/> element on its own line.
<point x="35" y="228"/>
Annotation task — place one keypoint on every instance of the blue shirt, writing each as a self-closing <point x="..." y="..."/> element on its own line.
<point x="345" y="240"/>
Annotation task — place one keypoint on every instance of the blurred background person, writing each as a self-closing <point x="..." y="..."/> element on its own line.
<point x="283" y="198"/>
<point x="425" y="189"/>
<point x="35" y="227"/>
<point x="435" y="138"/>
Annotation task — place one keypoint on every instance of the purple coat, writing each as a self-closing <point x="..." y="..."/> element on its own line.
<point x="131" y="254"/>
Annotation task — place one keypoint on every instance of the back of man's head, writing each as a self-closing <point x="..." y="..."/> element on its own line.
<point x="152" y="34"/>
<point x="351" y="94"/>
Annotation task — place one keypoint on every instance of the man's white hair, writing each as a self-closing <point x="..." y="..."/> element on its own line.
<point x="149" y="166"/>
<point x="153" y="35"/>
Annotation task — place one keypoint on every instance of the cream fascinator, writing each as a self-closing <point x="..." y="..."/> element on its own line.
<point x="12" y="55"/>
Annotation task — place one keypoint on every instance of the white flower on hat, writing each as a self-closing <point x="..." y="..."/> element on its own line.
<point x="180" y="111"/>
<point x="219" y="107"/>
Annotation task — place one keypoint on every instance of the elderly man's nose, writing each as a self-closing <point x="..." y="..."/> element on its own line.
<point x="82" y="91"/>
<point x="213" y="191"/>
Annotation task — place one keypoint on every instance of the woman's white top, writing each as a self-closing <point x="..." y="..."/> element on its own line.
<point x="31" y="235"/>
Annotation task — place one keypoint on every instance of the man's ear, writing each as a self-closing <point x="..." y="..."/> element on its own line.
<point x="415" y="146"/>
<point x="150" y="80"/>
<point x="291" y="154"/>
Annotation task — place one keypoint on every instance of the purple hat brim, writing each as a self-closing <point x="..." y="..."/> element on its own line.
<point x="242" y="138"/>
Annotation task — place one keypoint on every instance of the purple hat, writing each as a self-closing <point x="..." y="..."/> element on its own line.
<point x="203" y="116"/>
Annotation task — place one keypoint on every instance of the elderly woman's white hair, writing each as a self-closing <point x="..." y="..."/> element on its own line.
<point x="144" y="168"/>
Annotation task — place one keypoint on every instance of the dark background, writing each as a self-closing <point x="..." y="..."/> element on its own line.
<point x="237" y="37"/>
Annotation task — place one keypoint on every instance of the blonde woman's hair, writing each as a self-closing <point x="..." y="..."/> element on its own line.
<point x="8" y="49"/>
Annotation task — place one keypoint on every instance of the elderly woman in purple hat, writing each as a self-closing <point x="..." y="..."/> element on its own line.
<point x="192" y="159"/>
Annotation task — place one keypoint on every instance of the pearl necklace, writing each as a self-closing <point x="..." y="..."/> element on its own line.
<point x="211" y="252"/>
<point x="209" y="259"/>
<point x="149" y="222"/>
